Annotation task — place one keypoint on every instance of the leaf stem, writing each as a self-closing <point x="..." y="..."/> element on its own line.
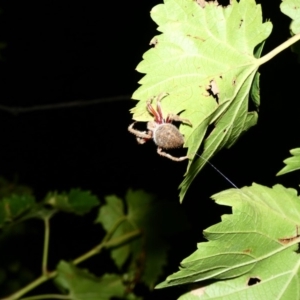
<point x="109" y="244"/>
<point x="46" y="245"/>
<point x="279" y="49"/>
<point x="106" y="243"/>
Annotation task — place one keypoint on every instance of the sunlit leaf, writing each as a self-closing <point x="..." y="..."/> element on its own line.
<point x="292" y="163"/>
<point x="291" y="8"/>
<point x="258" y="241"/>
<point x="205" y="60"/>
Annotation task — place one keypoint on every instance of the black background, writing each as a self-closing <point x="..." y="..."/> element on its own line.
<point x="61" y="51"/>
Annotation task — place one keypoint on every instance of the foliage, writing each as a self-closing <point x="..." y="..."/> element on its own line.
<point x="83" y="285"/>
<point x="19" y="205"/>
<point x="136" y="237"/>
<point x="242" y="247"/>
<point x="292" y="163"/>
<point x="150" y="253"/>
<point x="206" y="60"/>
<point x="209" y="70"/>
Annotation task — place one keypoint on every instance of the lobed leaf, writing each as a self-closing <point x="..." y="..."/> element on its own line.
<point x="206" y="60"/>
<point x="82" y="285"/>
<point x="15" y="206"/>
<point x="154" y="218"/>
<point x="76" y="201"/>
<point x="292" y="163"/>
<point x="109" y="214"/>
<point x="259" y="241"/>
<point x="291" y="8"/>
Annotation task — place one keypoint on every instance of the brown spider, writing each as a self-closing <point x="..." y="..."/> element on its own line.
<point x="164" y="134"/>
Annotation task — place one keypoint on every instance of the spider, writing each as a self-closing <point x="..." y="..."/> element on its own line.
<point x="164" y="134"/>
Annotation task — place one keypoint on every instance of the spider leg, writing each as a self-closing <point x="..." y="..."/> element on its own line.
<point x="161" y="96"/>
<point x="142" y="136"/>
<point x="165" y="154"/>
<point x="157" y="116"/>
<point x="144" y="140"/>
<point x="173" y="117"/>
<point x="158" y="106"/>
<point x="141" y="140"/>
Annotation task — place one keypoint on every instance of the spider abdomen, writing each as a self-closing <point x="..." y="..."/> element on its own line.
<point x="167" y="136"/>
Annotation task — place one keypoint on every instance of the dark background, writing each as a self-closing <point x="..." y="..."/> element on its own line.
<point x="61" y="51"/>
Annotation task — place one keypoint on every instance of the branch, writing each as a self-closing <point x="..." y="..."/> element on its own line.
<point x="106" y="243"/>
<point x="17" y="110"/>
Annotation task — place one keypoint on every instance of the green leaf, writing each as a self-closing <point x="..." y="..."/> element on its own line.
<point x="15" y="206"/>
<point x="255" y="90"/>
<point x="156" y="220"/>
<point x="291" y="8"/>
<point x="81" y="285"/>
<point x="205" y="61"/>
<point x="259" y="240"/>
<point x="292" y="163"/>
<point x="76" y="201"/>
<point x="274" y="288"/>
<point x="8" y="188"/>
<point x="110" y="214"/>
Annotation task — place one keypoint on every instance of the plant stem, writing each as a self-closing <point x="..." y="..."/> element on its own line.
<point x="46" y="245"/>
<point x="30" y="286"/>
<point x="109" y="244"/>
<point x="106" y="243"/>
<point x="279" y="49"/>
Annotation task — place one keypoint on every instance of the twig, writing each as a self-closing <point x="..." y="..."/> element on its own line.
<point x="17" y="110"/>
<point x="106" y="243"/>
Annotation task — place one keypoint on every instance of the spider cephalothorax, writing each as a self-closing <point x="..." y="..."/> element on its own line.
<point x="164" y="134"/>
